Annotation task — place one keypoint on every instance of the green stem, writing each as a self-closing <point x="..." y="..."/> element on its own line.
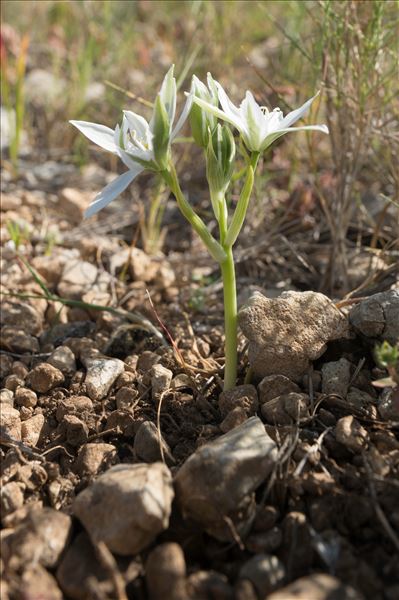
<point x="230" y="320"/>
<point x="215" y="249"/>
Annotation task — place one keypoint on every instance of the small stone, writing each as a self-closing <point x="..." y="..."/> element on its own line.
<point x="31" y="429"/>
<point x="105" y="507"/>
<point x="25" y="397"/>
<point x="63" y="359"/>
<point x="77" y="278"/>
<point x="73" y="203"/>
<point x="94" y="459"/>
<point x="101" y="374"/>
<point x="146" y="360"/>
<point x="275" y="385"/>
<point x="165" y="571"/>
<point x="17" y="340"/>
<point x="265" y="571"/>
<point x="37" y="582"/>
<point x="78" y="566"/>
<point x="11" y="497"/>
<point x="21" y="315"/>
<point x="49" y="267"/>
<point x="388" y="405"/>
<point x="245" y="590"/>
<point x="126" y="397"/>
<point x="219" y="477"/>
<point x="233" y="419"/>
<point x="202" y="585"/>
<point x="7" y="397"/>
<point x="286" y="333"/>
<point x="6" y="363"/>
<point x="19" y="369"/>
<point x="316" y="587"/>
<point x="13" y="382"/>
<point x="297" y="549"/>
<point x="10" y="422"/>
<point x="77" y="431"/>
<point x="44" y="377"/>
<point x="160" y="381"/>
<point x="41" y="537"/>
<point x="336" y="377"/>
<point x="265" y="542"/>
<point x="243" y="396"/>
<point x="377" y="317"/>
<point x="351" y="434"/>
<point x="75" y="405"/>
<point x="147" y="444"/>
<point x="286" y="409"/>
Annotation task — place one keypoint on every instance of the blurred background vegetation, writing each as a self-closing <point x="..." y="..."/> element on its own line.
<point x="87" y="60"/>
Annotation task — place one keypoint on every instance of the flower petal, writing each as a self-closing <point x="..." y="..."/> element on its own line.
<point x="112" y="190"/>
<point x="99" y="134"/>
<point x="168" y="94"/>
<point x="181" y="120"/>
<point x="229" y="108"/>
<point x="275" y="135"/>
<point x="255" y="120"/>
<point x="237" y="122"/>
<point x="294" y="115"/>
<point x="138" y="124"/>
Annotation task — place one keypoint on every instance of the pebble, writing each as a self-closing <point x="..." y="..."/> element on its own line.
<point x="219" y="476"/>
<point x="147" y="444"/>
<point x="37" y="582"/>
<point x="267" y="542"/>
<point x="25" y="397"/>
<point x="105" y="506"/>
<point x="388" y="405"/>
<point x="286" y="333"/>
<point x="318" y="586"/>
<point x="202" y="585"/>
<point x="7" y="397"/>
<point x="11" y="497"/>
<point x="351" y="434"/>
<point x="266" y="572"/>
<point x="21" y="315"/>
<point x="165" y="571"/>
<point x="242" y="396"/>
<point x="101" y="374"/>
<point x="13" y="382"/>
<point x="126" y="397"/>
<point x="336" y="377"/>
<point x="94" y="458"/>
<point x="377" y="317"/>
<point x="78" y="566"/>
<point x="73" y="203"/>
<point x="77" y="431"/>
<point x="10" y="422"/>
<point x="160" y="381"/>
<point x="275" y="385"/>
<point x="44" y="377"/>
<point x="41" y="537"/>
<point x="78" y="405"/>
<point x="146" y="360"/>
<point x="17" y="340"/>
<point x="233" y="419"/>
<point x="77" y="278"/>
<point x="63" y="359"/>
<point x="6" y="363"/>
<point x="286" y="409"/>
<point x="31" y="429"/>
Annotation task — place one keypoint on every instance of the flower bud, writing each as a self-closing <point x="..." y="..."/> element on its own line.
<point x="220" y="155"/>
<point x="202" y="121"/>
<point x="161" y="131"/>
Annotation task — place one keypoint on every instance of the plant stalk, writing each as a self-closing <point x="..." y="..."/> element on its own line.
<point x="230" y="320"/>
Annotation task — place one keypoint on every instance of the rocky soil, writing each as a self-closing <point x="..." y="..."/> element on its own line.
<point x="128" y="474"/>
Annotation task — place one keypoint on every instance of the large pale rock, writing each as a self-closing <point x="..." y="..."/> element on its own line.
<point x="286" y="333"/>
<point x="10" y="422"/>
<point x="127" y="507"/>
<point x="218" y="480"/>
<point x="377" y="317"/>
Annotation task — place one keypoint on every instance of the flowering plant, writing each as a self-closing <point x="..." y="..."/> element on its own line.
<point x="142" y="145"/>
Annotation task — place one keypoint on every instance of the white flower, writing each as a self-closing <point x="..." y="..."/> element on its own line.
<point x="258" y="126"/>
<point x="133" y="141"/>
